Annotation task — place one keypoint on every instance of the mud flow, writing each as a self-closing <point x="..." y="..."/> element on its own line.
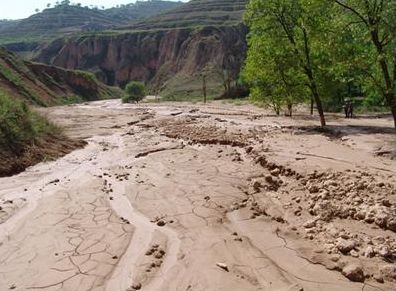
<point x="192" y="197"/>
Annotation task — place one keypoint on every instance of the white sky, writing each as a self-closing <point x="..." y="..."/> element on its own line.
<point x="17" y="9"/>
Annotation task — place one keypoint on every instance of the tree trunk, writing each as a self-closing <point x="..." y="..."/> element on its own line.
<point x="312" y="106"/>
<point x="389" y="83"/>
<point x="391" y="100"/>
<point x="316" y="97"/>
<point x="204" y="88"/>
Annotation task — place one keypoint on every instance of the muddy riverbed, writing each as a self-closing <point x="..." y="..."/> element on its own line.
<point x="192" y="197"/>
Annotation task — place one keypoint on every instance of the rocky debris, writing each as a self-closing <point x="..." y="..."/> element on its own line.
<point x="53" y="181"/>
<point x="184" y="129"/>
<point x="353" y="272"/>
<point x="391" y="224"/>
<point x="388" y="272"/>
<point x="275" y="172"/>
<point x="369" y="252"/>
<point x="126" y="221"/>
<point x="313" y="189"/>
<point x="156" y="251"/>
<point x="310" y="223"/>
<point x="333" y="199"/>
<point x="176" y="113"/>
<point x="273" y="183"/>
<point x="256" y="186"/>
<point x="161" y="223"/>
<point x="223" y="266"/>
<point x="122" y="177"/>
<point x="345" y="246"/>
<point x="384" y="251"/>
<point x="135" y="286"/>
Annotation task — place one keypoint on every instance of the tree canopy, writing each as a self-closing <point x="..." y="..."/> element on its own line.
<point x="324" y="51"/>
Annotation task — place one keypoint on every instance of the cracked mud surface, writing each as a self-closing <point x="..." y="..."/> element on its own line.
<point x="215" y="197"/>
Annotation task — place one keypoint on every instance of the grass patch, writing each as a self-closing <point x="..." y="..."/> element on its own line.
<point x="73" y="99"/>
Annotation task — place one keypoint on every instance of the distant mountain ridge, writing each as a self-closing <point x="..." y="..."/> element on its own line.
<point x="66" y="18"/>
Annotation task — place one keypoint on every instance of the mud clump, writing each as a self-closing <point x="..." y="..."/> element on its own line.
<point x="353" y="272"/>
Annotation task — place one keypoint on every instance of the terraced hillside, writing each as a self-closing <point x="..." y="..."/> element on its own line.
<point x="65" y="19"/>
<point x="45" y="85"/>
<point x="140" y="10"/>
<point x="6" y="24"/>
<point x="196" y="13"/>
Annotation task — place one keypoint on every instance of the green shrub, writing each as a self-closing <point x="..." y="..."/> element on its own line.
<point x="16" y="127"/>
<point x="19" y="125"/>
<point x="134" y="92"/>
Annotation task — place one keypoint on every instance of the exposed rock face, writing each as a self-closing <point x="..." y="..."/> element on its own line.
<point x="154" y="56"/>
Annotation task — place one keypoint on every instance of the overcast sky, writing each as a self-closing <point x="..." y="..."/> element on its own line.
<point x="17" y="9"/>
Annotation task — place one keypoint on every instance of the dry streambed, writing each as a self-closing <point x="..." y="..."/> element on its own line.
<point x="179" y="197"/>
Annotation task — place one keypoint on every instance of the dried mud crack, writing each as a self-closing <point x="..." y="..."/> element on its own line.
<point x="181" y="197"/>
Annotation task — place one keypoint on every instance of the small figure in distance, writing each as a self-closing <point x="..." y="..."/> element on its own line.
<point x="345" y="107"/>
<point x="348" y="109"/>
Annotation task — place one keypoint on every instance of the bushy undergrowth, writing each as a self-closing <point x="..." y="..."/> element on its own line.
<point x="19" y="126"/>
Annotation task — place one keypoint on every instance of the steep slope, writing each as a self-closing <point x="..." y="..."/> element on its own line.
<point x="66" y="18"/>
<point x="47" y="85"/>
<point x="171" y="60"/>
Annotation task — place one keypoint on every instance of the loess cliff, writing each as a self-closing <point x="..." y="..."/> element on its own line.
<point x="170" y="60"/>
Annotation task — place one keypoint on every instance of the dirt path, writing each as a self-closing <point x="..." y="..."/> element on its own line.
<point x="186" y="197"/>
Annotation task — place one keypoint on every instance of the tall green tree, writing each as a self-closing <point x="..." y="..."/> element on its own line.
<point x="274" y="77"/>
<point x="372" y="24"/>
<point x="294" y="31"/>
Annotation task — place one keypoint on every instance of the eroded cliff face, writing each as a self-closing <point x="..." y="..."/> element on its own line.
<point x="156" y="57"/>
